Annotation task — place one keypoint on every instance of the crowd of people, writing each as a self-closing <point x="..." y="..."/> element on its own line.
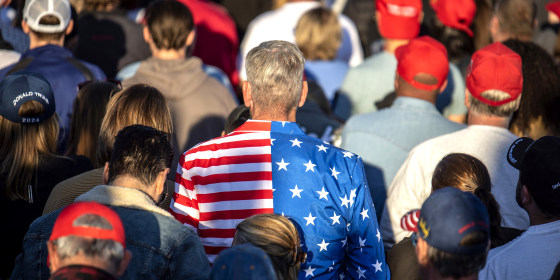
<point x="280" y="139"/>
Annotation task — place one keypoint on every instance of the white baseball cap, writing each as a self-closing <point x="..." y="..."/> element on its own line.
<point x="36" y="9"/>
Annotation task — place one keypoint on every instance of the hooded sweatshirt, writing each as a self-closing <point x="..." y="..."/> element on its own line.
<point x="199" y="103"/>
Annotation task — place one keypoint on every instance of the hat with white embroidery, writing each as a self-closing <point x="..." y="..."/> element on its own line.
<point x="539" y="169"/>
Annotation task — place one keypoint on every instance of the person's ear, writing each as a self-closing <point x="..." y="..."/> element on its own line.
<point x="494" y="28"/>
<point x="124" y="263"/>
<point x="303" y="97"/>
<point x="106" y="174"/>
<point x="396" y="82"/>
<point x="190" y="38"/>
<point x="25" y="27"/>
<point x="526" y="197"/>
<point x="422" y="252"/>
<point x="467" y="102"/>
<point x="160" y="184"/>
<point x="146" y="34"/>
<point x="70" y="27"/>
<point x="247" y="94"/>
<point x="52" y="257"/>
<point x="443" y="86"/>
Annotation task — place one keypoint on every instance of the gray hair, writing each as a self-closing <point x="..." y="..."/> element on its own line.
<point x="110" y="251"/>
<point x="504" y="110"/>
<point x="275" y="73"/>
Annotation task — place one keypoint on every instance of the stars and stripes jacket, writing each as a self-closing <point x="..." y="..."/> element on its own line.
<point x="265" y="167"/>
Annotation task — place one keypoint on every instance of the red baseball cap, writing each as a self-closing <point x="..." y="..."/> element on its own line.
<point x="64" y="225"/>
<point x="422" y="55"/>
<point x="399" y="19"/>
<point x="457" y="14"/>
<point x="553" y="7"/>
<point x="495" y="67"/>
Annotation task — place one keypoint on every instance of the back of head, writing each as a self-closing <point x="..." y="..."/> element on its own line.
<point x="169" y="23"/>
<point x="318" y="34"/>
<point x="137" y="104"/>
<point x="140" y="152"/>
<point x="47" y="19"/>
<point x="455" y="226"/>
<point x="29" y="129"/>
<point x="494" y="81"/>
<point x="516" y="18"/>
<point x="423" y="65"/>
<point x="538" y="163"/>
<point x="278" y="237"/>
<point x="452" y="26"/>
<point x="275" y="74"/>
<point x="469" y="174"/>
<point x="88" y="233"/>
<point x="398" y="19"/>
<point x="541" y="89"/>
<point x="244" y="261"/>
<point x="87" y="114"/>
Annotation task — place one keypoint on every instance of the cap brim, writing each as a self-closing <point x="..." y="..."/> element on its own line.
<point x="517" y="150"/>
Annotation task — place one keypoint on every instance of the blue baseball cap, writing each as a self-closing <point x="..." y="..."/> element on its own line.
<point x="23" y="86"/>
<point x="448" y="216"/>
<point x="245" y="261"/>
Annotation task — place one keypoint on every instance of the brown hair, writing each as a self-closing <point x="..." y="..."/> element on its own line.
<point x="88" y="112"/>
<point x="278" y="237"/>
<point x="169" y="23"/>
<point x="97" y="5"/>
<point x="517" y="18"/>
<point x="318" y="34"/>
<point x="469" y="174"/>
<point x="49" y="20"/>
<point x="137" y="104"/>
<point x="24" y="146"/>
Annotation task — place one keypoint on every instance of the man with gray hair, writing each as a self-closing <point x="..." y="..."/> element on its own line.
<point x="269" y="165"/>
<point x="87" y="239"/>
<point x="494" y="86"/>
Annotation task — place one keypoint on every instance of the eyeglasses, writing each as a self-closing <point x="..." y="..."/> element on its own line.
<point x="113" y="81"/>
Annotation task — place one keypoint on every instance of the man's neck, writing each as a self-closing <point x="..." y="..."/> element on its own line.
<point x="170" y="54"/>
<point x="133" y="183"/>
<point x="266" y="116"/>
<point x="478" y="119"/>
<point x="33" y="44"/>
<point x="392" y="44"/>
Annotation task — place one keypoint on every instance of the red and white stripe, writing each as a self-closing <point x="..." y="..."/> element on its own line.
<point x="223" y="181"/>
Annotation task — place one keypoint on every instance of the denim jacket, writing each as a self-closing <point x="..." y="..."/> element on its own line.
<point x="161" y="247"/>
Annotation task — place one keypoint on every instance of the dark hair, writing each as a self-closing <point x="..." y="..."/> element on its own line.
<point x="481" y="22"/>
<point x="87" y="114"/>
<point x="141" y="152"/>
<point x="469" y="174"/>
<point x="541" y="90"/>
<point x="516" y="17"/>
<point x="236" y="118"/>
<point x="49" y="20"/>
<point x="458" y="43"/>
<point x="457" y="266"/>
<point x="169" y="23"/>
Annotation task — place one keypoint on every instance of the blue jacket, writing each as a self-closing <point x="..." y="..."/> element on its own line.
<point x="161" y="247"/>
<point x="51" y="61"/>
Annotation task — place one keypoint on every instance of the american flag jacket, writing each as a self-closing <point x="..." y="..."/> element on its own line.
<point x="265" y="167"/>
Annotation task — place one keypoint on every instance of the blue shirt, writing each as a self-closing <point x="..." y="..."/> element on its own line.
<point x="50" y="61"/>
<point x="384" y="138"/>
<point x="323" y="190"/>
<point x="328" y="74"/>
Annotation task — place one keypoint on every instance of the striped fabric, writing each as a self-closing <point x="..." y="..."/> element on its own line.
<point x="223" y="181"/>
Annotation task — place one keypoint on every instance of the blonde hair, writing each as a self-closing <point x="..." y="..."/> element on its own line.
<point x="505" y="110"/>
<point x="137" y="104"/>
<point x="278" y="237"/>
<point x="24" y="146"/>
<point x="318" y="34"/>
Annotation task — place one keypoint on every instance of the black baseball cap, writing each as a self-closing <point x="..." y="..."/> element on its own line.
<point x="23" y="86"/>
<point x="538" y="163"/>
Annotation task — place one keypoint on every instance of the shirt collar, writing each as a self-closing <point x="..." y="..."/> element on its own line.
<point x="269" y="126"/>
